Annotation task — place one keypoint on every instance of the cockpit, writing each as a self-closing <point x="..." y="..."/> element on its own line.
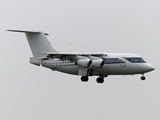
<point x="135" y="60"/>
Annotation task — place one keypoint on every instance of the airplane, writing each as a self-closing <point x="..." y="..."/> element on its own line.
<point x="100" y="64"/>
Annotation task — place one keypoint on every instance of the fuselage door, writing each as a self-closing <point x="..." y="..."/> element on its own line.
<point x="123" y="62"/>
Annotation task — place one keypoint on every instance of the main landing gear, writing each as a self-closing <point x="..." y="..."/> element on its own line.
<point x="84" y="78"/>
<point x="99" y="79"/>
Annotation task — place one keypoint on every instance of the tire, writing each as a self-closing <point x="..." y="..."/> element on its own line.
<point x="143" y="78"/>
<point x="100" y="80"/>
<point x="84" y="78"/>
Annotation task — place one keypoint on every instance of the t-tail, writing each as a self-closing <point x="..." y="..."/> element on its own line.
<point x="38" y="42"/>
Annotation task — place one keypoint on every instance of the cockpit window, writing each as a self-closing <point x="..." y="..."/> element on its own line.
<point x="135" y="60"/>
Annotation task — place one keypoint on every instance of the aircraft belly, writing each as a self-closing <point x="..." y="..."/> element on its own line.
<point x="110" y="69"/>
<point x="117" y="69"/>
<point x="69" y="69"/>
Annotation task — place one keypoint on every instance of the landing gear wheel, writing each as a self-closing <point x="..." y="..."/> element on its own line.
<point x="100" y="80"/>
<point x="143" y="78"/>
<point x="84" y="78"/>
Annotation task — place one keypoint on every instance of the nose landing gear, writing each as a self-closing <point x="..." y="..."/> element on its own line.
<point x="143" y="78"/>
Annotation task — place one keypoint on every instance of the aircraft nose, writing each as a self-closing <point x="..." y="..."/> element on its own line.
<point x="150" y="67"/>
<point x="146" y="67"/>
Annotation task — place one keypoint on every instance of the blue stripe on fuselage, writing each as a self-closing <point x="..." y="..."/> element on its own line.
<point x="112" y="61"/>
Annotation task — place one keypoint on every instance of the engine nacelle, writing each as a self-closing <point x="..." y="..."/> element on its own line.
<point x="98" y="63"/>
<point x="84" y="62"/>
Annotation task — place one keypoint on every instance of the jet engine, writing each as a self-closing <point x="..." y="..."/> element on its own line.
<point x="98" y="63"/>
<point x="84" y="62"/>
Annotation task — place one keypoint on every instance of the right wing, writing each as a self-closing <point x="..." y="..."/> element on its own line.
<point x="71" y="56"/>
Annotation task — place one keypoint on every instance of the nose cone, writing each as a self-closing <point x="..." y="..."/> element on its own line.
<point x="146" y="67"/>
<point x="150" y="67"/>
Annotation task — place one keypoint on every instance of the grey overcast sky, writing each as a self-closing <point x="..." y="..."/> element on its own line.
<point x="28" y="92"/>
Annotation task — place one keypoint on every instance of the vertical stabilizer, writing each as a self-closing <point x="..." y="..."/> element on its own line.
<point x="38" y="42"/>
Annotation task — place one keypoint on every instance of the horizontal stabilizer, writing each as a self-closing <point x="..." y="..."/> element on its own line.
<point x="27" y="31"/>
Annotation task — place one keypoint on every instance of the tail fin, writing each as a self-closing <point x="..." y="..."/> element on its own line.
<point x="38" y="42"/>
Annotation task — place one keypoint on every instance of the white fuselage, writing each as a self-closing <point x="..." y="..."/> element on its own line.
<point x="115" y="64"/>
<point x="86" y="64"/>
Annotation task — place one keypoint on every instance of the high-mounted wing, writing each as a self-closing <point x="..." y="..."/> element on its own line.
<point x="71" y="55"/>
<point x="84" y="60"/>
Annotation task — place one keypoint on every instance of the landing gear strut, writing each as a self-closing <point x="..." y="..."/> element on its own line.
<point x="100" y="80"/>
<point x="84" y="78"/>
